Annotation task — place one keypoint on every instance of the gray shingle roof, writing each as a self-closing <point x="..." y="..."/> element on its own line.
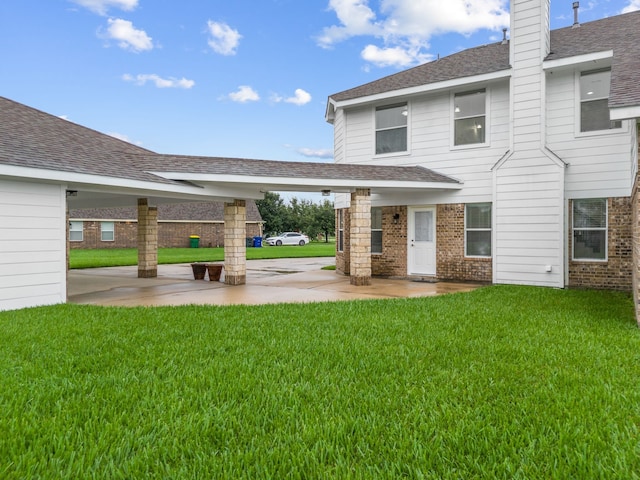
<point x="620" y="34"/>
<point x="272" y="168"/>
<point x="195" y="211"/>
<point x="31" y="138"/>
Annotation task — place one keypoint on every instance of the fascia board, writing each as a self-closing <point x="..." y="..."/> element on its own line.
<point x="64" y="177"/>
<point x="431" y="87"/>
<point x="304" y="182"/>
<point x="577" y="60"/>
<point x="625" y="113"/>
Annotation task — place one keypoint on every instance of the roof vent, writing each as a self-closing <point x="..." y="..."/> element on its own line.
<point x="504" y="36"/>
<point x="576" y="23"/>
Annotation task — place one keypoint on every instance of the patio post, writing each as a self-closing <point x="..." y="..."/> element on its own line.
<point x="360" y="237"/>
<point x="147" y="240"/>
<point x="235" y="247"/>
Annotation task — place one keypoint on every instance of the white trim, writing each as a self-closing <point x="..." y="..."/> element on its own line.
<point x="431" y="87"/>
<point x="344" y="185"/>
<point x="624" y="113"/>
<point x="577" y="60"/>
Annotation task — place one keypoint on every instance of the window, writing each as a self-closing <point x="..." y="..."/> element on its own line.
<point x="76" y="231"/>
<point x="590" y="229"/>
<point x="107" y="232"/>
<point x="376" y="230"/>
<point x="594" y="101"/>
<point x="477" y="226"/>
<point x="340" y="230"/>
<point x="469" y="114"/>
<point x="391" y="129"/>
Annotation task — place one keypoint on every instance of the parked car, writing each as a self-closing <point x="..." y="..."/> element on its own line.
<point x="288" y="238"/>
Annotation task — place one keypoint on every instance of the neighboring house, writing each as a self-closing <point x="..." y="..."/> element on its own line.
<point x="117" y="227"/>
<point x="540" y="129"/>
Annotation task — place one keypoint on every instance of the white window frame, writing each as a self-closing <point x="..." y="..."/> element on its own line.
<point x="578" y="114"/>
<point x="73" y="228"/>
<point x="104" y="230"/>
<point x="467" y="229"/>
<point x="575" y="229"/>
<point x="487" y="119"/>
<point x="340" y="232"/>
<point x="376" y="229"/>
<point x="376" y="129"/>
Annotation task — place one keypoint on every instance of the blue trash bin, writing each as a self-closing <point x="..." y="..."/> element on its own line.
<point x="257" y="242"/>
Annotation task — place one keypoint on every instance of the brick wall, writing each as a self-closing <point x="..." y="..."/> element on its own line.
<point x="393" y="260"/>
<point x="451" y="262"/>
<point x="170" y="234"/>
<point x="343" y="264"/>
<point x="616" y="272"/>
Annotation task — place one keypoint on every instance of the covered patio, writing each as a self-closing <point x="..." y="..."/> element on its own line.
<point x="293" y="280"/>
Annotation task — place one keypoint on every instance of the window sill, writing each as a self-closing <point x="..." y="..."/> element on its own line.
<point x="589" y="260"/>
<point x="392" y="154"/>
<point x="469" y="146"/>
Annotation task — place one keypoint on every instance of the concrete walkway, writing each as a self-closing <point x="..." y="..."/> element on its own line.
<point x="268" y="281"/>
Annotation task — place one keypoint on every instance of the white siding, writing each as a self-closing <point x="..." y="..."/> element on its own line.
<point x="599" y="163"/>
<point x="33" y="244"/>
<point x="338" y="136"/>
<point x="430" y="145"/>
<point x="528" y="222"/>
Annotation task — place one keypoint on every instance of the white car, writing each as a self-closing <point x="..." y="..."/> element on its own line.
<point x="288" y="238"/>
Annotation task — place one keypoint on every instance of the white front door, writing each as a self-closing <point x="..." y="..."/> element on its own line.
<point x="422" y="241"/>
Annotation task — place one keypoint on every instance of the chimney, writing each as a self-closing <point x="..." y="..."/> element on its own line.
<point x="576" y="23"/>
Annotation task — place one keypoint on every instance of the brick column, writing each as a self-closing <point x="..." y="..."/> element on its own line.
<point x="360" y="237"/>
<point x="147" y="240"/>
<point x="235" y="247"/>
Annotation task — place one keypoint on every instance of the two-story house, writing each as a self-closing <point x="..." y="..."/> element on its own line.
<point x="541" y="132"/>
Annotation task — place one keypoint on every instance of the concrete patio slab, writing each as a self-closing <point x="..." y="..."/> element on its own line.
<point x="268" y="281"/>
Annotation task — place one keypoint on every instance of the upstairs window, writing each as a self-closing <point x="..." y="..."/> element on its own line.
<point x="477" y="230"/>
<point x="107" y="231"/>
<point x="376" y="230"/>
<point x="469" y="116"/>
<point x="594" y="101"/>
<point x="391" y="129"/>
<point x="590" y="229"/>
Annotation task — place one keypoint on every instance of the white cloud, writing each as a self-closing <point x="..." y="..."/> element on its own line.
<point x="387" y="57"/>
<point x="300" y="97"/>
<point x="315" y="153"/>
<point x="127" y="36"/>
<point x="224" y="39"/>
<point x="101" y="6"/>
<point x="404" y="27"/>
<point x="244" y="94"/>
<point x="159" y="82"/>
<point x="632" y="7"/>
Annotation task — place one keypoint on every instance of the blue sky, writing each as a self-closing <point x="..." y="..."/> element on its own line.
<point x="236" y="78"/>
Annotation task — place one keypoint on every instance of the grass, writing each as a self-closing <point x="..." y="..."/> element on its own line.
<point x="129" y="256"/>
<point x="503" y="382"/>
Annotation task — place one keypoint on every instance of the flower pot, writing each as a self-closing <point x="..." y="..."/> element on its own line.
<point x="214" y="272"/>
<point x="199" y="270"/>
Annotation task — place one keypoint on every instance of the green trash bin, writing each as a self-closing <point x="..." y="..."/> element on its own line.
<point x="194" y="241"/>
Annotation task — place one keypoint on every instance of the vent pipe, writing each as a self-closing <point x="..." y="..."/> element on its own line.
<point x="576" y="23"/>
<point x="504" y="36"/>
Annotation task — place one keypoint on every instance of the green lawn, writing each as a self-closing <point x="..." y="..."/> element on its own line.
<point x="503" y="382"/>
<point x="129" y="256"/>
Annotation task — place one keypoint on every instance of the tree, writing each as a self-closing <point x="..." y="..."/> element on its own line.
<point x="298" y="216"/>
<point x="273" y="212"/>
